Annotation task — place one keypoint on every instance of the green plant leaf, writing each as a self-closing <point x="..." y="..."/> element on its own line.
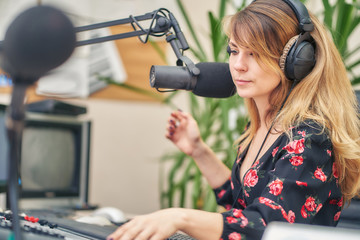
<point x="157" y="48"/>
<point x="201" y="52"/>
<point x="184" y="181"/>
<point x="356" y="80"/>
<point x="345" y="17"/>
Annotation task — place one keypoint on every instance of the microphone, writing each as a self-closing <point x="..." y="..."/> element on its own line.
<point x="214" y="80"/>
<point x="39" y="39"/>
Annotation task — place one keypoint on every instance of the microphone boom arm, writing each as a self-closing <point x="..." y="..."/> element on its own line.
<point x="161" y="28"/>
<point x="162" y="25"/>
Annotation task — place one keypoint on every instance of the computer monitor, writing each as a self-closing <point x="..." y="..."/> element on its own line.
<point x="3" y="151"/>
<point x="55" y="161"/>
<point x="298" y="231"/>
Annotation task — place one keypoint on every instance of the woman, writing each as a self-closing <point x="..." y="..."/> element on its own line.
<point x="298" y="160"/>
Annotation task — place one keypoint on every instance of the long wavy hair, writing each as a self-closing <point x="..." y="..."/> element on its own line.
<point x="325" y="95"/>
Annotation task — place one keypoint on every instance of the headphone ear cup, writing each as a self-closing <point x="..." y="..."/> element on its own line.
<point x="300" y="61"/>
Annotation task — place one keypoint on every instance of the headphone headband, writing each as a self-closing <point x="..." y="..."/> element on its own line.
<point x="302" y="15"/>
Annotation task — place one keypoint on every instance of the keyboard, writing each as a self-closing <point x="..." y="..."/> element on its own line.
<point x="97" y="232"/>
<point x="52" y="227"/>
<point x="30" y="230"/>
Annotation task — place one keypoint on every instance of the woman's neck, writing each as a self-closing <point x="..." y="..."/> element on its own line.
<point x="263" y="107"/>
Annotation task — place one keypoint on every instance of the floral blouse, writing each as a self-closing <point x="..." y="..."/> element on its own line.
<point x="295" y="182"/>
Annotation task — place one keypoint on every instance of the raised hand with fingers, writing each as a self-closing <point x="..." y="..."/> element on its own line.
<point x="183" y="131"/>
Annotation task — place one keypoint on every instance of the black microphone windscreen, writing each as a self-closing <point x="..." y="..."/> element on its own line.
<point x="214" y="80"/>
<point x="38" y="40"/>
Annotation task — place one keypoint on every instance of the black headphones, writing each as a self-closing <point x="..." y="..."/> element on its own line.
<point x="299" y="57"/>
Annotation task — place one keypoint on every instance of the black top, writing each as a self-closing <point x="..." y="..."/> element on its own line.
<point x="294" y="181"/>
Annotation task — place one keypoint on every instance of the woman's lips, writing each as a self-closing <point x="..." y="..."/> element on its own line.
<point x="242" y="82"/>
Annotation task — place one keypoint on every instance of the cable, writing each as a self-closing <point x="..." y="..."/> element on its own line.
<point x="148" y="32"/>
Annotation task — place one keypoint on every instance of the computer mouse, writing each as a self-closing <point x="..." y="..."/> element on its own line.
<point x="111" y="213"/>
<point x="97" y="220"/>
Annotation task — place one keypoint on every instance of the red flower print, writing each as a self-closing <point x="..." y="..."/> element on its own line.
<point x="231" y="220"/>
<point x="296" y="146"/>
<point x="303" y="212"/>
<point x="228" y="206"/>
<point x="296" y="160"/>
<point x="237" y="213"/>
<point x="335" y="170"/>
<point x="328" y="152"/>
<point x="255" y="163"/>
<point x="251" y="178"/>
<point x="310" y="208"/>
<point x="232" y="185"/>
<point x="221" y="193"/>
<point x="318" y="208"/>
<point x="269" y="203"/>
<point x="263" y="222"/>
<point x="310" y="204"/>
<point x="276" y="187"/>
<point x="319" y="174"/>
<point x="337" y="216"/>
<point x="234" y="236"/>
<point x="302" y="133"/>
<point x="246" y="193"/>
<point x="301" y="183"/>
<point x="275" y="151"/>
<point x="241" y="202"/>
<point x="284" y="214"/>
<point x="291" y="217"/>
<point x="263" y="200"/>
<point x="244" y="222"/>
<point x="340" y="203"/>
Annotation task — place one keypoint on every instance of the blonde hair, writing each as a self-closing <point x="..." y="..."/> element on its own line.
<point x="325" y="95"/>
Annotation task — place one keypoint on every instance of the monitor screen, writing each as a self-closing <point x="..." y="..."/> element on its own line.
<point x="54" y="161"/>
<point x="53" y="168"/>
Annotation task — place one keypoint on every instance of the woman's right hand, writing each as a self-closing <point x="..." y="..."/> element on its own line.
<point x="183" y="131"/>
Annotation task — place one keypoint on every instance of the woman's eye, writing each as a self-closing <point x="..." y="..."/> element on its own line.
<point x="231" y="51"/>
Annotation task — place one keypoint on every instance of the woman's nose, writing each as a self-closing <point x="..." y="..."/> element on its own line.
<point x="240" y="63"/>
